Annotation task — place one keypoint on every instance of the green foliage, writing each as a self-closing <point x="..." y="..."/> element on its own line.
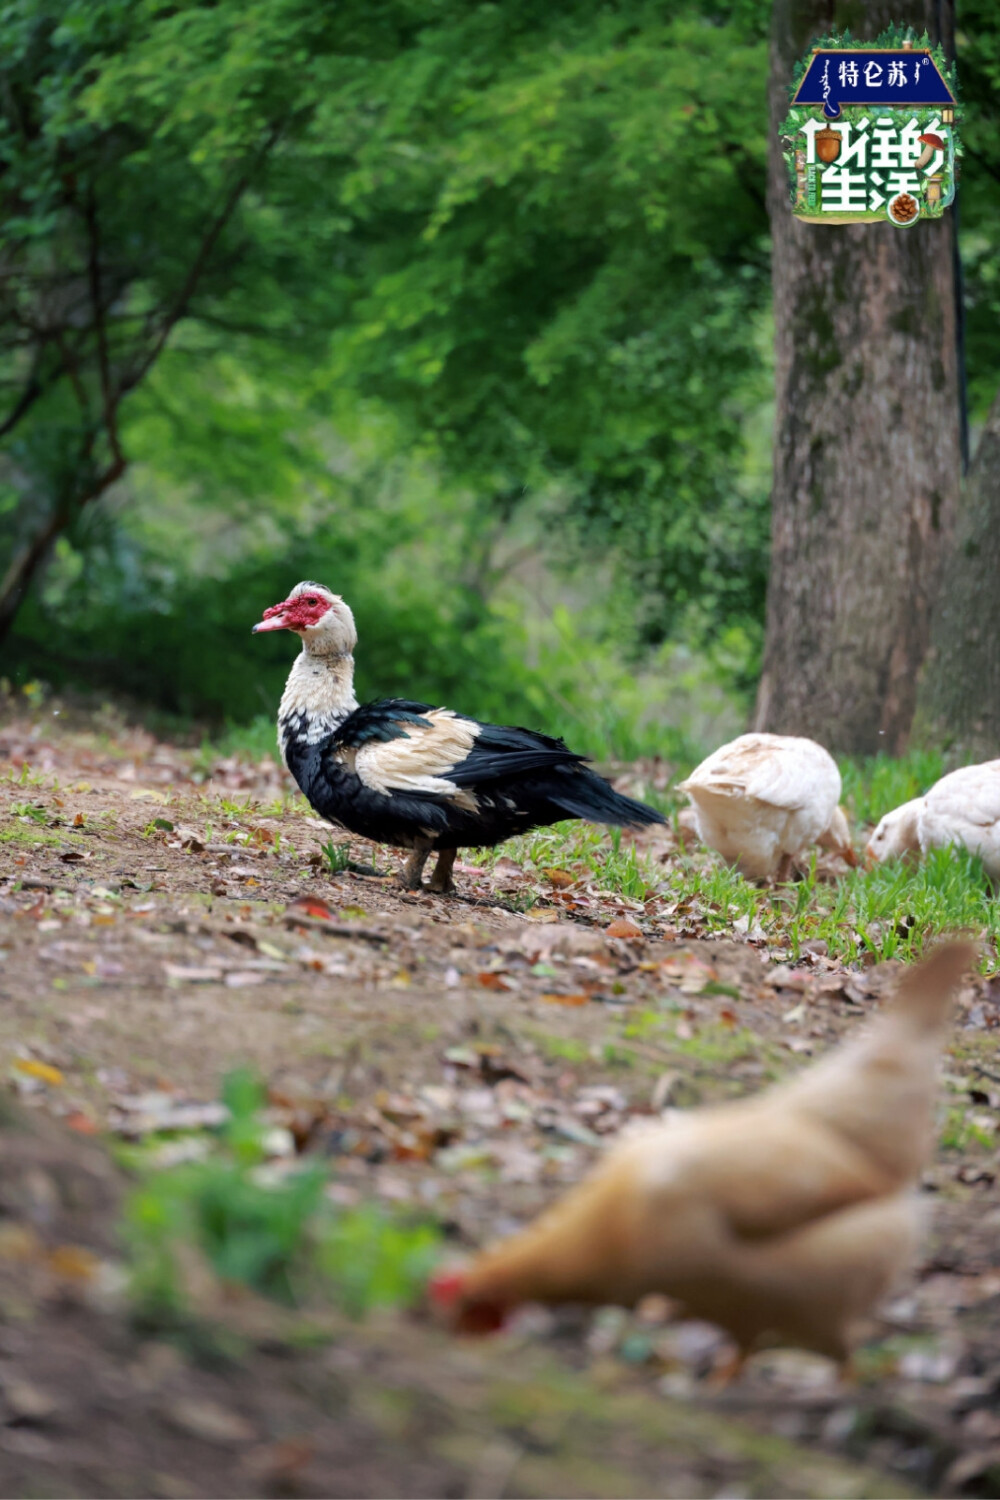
<point x="570" y="265"/>
<point x="183" y="644"/>
<point x="392" y="296"/>
<point x="509" y="222"/>
<point x="129" y="138"/>
<point x="281" y="1237"/>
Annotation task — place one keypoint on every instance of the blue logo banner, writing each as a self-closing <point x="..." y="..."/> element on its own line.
<point x="876" y="76"/>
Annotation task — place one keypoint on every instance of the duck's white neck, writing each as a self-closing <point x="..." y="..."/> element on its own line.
<point x="318" y="697"/>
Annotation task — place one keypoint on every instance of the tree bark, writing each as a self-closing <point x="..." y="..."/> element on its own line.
<point x="868" y="438"/>
<point x="25" y="563"/>
<point x="23" y="567"/>
<point x="959" y="701"/>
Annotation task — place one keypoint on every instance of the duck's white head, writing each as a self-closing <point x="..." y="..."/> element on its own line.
<point x="321" y="618"/>
<point x="896" y="834"/>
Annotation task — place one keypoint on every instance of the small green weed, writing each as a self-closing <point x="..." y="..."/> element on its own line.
<point x="234" y="809"/>
<point x="30" y="811"/>
<point x="25" y="777"/>
<point x="284" y="1238"/>
<point x="959" y="1133"/>
<point x="337" y="857"/>
<point x="158" y="825"/>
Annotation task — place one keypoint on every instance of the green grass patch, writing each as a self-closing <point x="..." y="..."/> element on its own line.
<point x="892" y="911"/>
<point x="874" y="786"/>
<point x="587" y="851"/>
<point x="33" y="836"/>
<point x="252" y="741"/>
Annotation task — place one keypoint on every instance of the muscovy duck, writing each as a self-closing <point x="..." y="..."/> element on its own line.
<point x="420" y="778"/>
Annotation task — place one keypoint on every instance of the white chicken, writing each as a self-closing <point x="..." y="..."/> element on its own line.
<point x="763" y="798"/>
<point x="962" y="808"/>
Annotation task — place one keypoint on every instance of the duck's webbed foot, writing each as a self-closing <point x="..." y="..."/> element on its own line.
<point x="441" y="880"/>
<point x="411" y="873"/>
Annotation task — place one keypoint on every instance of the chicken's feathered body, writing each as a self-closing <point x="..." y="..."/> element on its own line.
<point x="963" y="808"/>
<point x="763" y="798"/>
<point x="781" y="1217"/>
<point x="403" y="773"/>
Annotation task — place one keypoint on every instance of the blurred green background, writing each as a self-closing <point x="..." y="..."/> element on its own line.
<point x="479" y="336"/>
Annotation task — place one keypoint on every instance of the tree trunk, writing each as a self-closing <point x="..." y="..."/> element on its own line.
<point x="867" y="443"/>
<point x="23" y="567"/>
<point x="959" y="705"/>
<point x="33" y="555"/>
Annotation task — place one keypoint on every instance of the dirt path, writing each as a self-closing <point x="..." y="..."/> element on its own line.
<point x="469" y="1056"/>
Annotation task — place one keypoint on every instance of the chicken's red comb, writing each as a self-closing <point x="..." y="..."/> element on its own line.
<point x="446" y="1287"/>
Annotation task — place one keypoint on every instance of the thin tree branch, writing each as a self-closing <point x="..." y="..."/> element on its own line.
<point x="73" y="371"/>
<point x="108" y="401"/>
<point x="24" y="566"/>
<point x="26" y="563"/>
<point x="190" y="284"/>
<point x="32" y="392"/>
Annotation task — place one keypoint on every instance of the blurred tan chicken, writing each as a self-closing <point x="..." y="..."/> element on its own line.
<point x="763" y="798"/>
<point x="782" y="1218"/>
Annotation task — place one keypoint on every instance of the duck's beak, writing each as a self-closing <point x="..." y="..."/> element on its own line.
<point x="274" y="619"/>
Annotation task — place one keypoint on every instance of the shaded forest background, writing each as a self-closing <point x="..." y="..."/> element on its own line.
<point x="465" y="311"/>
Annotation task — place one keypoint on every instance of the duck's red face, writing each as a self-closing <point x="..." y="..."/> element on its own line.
<point x="297" y="612"/>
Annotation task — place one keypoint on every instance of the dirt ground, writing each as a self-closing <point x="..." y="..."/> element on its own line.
<point x="164" y="917"/>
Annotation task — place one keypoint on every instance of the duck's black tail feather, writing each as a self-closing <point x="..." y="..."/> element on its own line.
<point x="587" y="795"/>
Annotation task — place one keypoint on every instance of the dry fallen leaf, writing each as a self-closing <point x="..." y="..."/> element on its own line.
<point x="621" y="927"/>
<point x="74" y="1262"/>
<point x="559" y="878"/>
<point x="208" y="1420"/>
<point x="554" y="999"/>
<point x="491" y="981"/>
<point x="40" y="1070"/>
<point x="28" y="1403"/>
